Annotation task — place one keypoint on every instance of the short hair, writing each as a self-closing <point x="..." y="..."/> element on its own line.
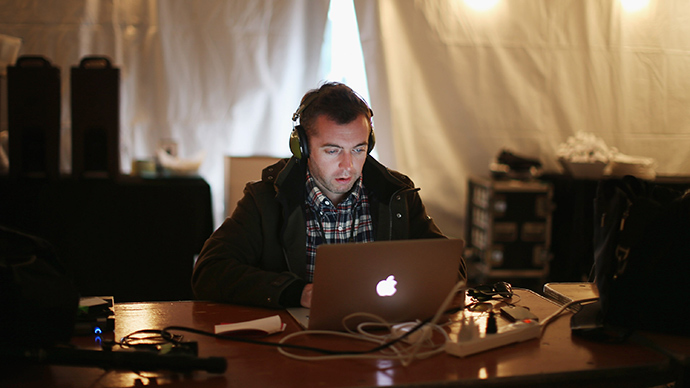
<point x="335" y="100"/>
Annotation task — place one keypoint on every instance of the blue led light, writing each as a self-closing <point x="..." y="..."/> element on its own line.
<point x="97" y="330"/>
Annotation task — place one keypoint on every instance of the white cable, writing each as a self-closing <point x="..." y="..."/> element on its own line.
<point x="405" y="353"/>
<point x="558" y="312"/>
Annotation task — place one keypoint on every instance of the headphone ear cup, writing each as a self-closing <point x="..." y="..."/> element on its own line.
<point x="298" y="143"/>
<point x="372" y="141"/>
<point x="294" y="144"/>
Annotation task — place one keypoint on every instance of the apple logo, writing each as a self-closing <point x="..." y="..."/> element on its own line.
<point x="386" y="287"/>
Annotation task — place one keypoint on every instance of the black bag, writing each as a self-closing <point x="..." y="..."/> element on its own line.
<point x="38" y="299"/>
<point x="642" y="255"/>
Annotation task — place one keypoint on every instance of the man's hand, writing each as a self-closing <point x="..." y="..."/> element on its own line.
<point x="306" y="295"/>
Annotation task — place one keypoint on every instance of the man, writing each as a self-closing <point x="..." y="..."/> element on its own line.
<point x="329" y="191"/>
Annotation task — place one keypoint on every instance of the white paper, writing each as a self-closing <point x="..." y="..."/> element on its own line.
<point x="268" y="325"/>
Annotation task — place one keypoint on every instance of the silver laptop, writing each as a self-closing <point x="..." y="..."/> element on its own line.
<point x="400" y="281"/>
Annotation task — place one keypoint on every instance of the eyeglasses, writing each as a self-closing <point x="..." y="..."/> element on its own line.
<point x="486" y="292"/>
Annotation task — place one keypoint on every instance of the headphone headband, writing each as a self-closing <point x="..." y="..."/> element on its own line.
<point x="304" y="106"/>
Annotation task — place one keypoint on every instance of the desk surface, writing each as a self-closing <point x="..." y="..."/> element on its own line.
<point x="674" y="346"/>
<point x="556" y="359"/>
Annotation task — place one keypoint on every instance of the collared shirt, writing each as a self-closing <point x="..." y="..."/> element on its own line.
<point x="349" y="221"/>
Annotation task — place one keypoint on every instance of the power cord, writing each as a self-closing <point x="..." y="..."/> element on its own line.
<point x="402" y="351"/>
<point x="405" y="345"/>
<point x="404" y="342"/>
<point x="560" y="311"/>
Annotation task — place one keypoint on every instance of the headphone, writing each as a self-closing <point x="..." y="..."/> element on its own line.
<point x="299" y="144"/>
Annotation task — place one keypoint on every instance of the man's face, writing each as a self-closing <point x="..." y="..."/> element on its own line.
<point x="337" y="153"/>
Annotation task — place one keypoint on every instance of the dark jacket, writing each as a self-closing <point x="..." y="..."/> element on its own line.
<point x="260" y="250"/>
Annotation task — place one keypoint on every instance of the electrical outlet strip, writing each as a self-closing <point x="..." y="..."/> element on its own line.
<point x="515" y="332"/>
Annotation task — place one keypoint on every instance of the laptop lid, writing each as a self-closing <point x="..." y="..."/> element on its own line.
<point x="400" y="280"/>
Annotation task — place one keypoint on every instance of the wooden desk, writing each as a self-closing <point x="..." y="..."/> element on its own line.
<point x="557" y="359"/>
<point x="675" y="347"/>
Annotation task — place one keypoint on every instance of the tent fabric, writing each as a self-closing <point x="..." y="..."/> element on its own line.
<point x="450" y="86"/>
<point x="460" y="85"/>
<point x="222" y="77"/>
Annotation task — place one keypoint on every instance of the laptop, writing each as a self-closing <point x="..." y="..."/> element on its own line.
<point x="400" y="281"/>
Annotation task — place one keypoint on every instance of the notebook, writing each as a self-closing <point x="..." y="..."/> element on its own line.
<point x="400" y="281"/>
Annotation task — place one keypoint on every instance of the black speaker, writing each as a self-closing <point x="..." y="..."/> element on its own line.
<point x="33" y="118"/>
<point x="95" y="97"/>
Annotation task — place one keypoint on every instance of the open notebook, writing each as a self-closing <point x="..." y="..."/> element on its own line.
<point x="400" y="281"/>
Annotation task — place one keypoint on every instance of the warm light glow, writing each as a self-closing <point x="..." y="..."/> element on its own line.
<point x="342" y="52"/>
<point x="481" y="5"/>
<point x="342" y="59"/>
<point x="634" y="5"/>
<point x="483" y="374"/>
<point x="385" y="373"/>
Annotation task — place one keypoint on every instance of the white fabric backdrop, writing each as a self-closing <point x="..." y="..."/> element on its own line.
<point x="220" y="76"/>
<point x="450" y="86"/>
<point x="462" y="85"/>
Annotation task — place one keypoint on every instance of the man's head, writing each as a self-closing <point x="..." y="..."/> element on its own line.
<point x="337" y="132"/>
<point x="335" y="100"/>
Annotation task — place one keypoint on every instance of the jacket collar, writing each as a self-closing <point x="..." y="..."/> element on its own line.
<point x="381" y="181"/>
<point x="288" y="177"/>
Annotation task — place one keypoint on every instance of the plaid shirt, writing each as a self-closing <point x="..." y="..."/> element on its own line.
<point x="350" y="221"/>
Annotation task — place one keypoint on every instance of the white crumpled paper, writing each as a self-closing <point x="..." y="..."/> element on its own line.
<point x="587" y="156"/>
<point x="585" y="148"/>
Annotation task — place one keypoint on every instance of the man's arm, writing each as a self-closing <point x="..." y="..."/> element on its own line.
<point x="243" y="261"/>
